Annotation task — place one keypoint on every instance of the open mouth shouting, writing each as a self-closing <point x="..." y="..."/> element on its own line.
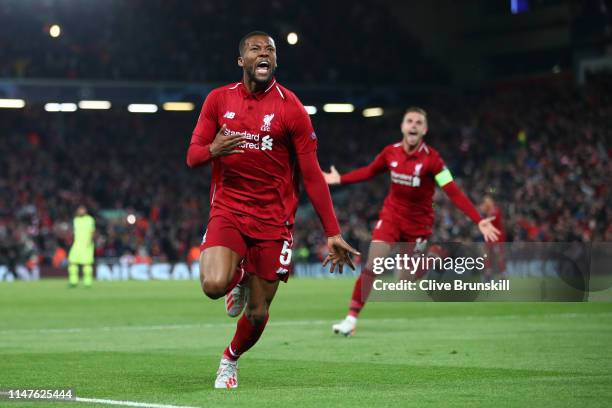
<point x="263" y="68"/>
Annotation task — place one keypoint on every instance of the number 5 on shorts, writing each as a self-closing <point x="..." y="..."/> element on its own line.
<point x="285" y="255"/>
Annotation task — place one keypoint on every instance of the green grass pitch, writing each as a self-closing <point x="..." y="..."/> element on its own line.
<point x="160" y="342"/>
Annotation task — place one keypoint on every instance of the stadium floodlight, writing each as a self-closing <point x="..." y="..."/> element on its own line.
<point x="12" y="103"/>
<point x="372" y="112"/>
<point x="52" y="107"/>
<point x="310" y="109"/>
<point x="60" y="107"/>
<point x="292" y="38"/>
<point x="142" y="108"/>
<point x="178" y="106"/>
<point x="94" y="105"/>
<point x="55" y="31"/>
<point x="68" y="107"/>
<point x="338" y="107"/>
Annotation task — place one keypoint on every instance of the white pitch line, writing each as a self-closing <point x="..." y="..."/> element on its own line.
<point x="108" y="402"/>
<point x="129" y="403"/>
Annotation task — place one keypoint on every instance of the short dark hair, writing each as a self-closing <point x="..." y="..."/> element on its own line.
<point x="417" y="110"/>
<point x="249" y="35"/>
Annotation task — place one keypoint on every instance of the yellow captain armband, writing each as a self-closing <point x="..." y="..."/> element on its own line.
<point x="444" y="177"/>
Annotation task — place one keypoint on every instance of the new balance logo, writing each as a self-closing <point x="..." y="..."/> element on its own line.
<point x="229" y="115"/>
<point x="266" y="143"/>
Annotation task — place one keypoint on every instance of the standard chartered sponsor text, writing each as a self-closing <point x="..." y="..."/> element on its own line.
<point x="252" y="140"/>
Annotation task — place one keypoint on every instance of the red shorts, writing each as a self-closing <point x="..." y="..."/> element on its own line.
<point x="392" y="231"/>
<point x="268" y="259"/>
<point x="389" y="229"/>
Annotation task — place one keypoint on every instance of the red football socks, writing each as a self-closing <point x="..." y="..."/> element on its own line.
<point x="245" y="337"/>
<point x="361" y="292"/>
<point x="239" y="274"/>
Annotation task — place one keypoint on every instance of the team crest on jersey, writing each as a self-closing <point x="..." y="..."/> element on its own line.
<point x="267" y="122"/>
<point x="393" y="164"/>
<point x="417" y="169"/>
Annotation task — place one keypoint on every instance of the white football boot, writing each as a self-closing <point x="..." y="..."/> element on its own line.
<point x="227" y="374"/>
<point x="236" y="299"/>
<point x="346" y="327"/>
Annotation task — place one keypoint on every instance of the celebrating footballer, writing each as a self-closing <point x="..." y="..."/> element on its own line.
<point x="407" y="214"/>
<point x="258" y="138"/>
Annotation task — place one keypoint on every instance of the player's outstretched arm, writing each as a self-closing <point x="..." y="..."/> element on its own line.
<point x="490" y="233"/>
<point x="333" y="177"/>
<point x="361" y="174"/>
<point x="461" y="201"/>
<point x="339" y="254"/>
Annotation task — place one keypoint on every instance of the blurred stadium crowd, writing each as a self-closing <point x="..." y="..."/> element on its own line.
<point x="198" y="41"/>
<point x="542" y="149"/>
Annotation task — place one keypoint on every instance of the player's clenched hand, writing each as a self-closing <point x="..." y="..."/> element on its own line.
<point x="333" y="177"/>
<point x="225" y="144"/>
<point x="339" y="254"/>
<point x="490" y="233"/>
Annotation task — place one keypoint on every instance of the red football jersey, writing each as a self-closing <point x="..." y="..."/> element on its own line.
<point x="262" y="182"/>
<point x="412" y="184"/>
